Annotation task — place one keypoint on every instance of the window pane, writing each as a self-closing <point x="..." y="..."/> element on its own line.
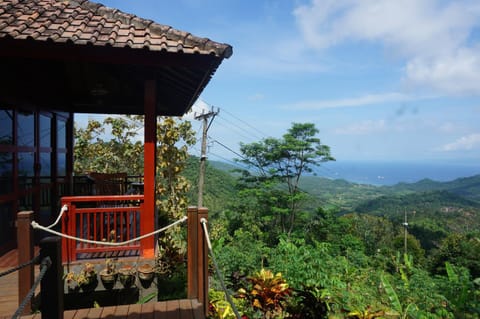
<point x="61" y="164"/>
<point x="45" y="164"/>
<point x="26" y="129"/>
<point x="45" y="131"/>
<point x="61" y="134"/>
<point x="6" y="169"/>
<point x="6" y="127"/>
<point x="25" y="169"/>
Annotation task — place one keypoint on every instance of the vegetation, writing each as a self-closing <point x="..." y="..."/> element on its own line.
<point x="292" y="245"/>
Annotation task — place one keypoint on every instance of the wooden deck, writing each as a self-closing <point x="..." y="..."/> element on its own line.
<point x="172" y="309"/>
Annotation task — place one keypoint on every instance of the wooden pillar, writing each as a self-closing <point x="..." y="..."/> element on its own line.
<point x="147" y="221"/>
<point x="51" y="286"/>
<point x="26" y="275"/>
<point x="192" y="252"/>
<point x="202" y="260"/>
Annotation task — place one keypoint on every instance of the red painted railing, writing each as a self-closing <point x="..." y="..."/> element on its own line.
<point x="113" y="218"/>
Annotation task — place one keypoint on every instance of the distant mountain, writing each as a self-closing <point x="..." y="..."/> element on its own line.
<point x="468" y="187"/>
<point x="434" y="209"/>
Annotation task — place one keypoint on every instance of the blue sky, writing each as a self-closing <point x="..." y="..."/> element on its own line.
<point x="382" y="80"/>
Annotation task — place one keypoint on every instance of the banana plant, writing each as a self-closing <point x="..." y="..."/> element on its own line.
<point x="402" y="311"/>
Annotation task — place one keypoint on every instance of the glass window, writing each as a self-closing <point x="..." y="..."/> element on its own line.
<point x="61" y="164"/>
<point x="6" y="170"/>
<point x="45" y="164"/>
<point x="25" y="169"/>
<point x="61" y="134"/>
<point x="45" y="131"/>
<point x="26" y="129"/>
<point x="6" y="127"/>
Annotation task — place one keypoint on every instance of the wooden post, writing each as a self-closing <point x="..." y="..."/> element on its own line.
<point x="202" y="262"/>
<point x="51" y="286"/>
<point x="147" y="220"/>
<point x="192" y="252"/>
<point x="26" y="275"/>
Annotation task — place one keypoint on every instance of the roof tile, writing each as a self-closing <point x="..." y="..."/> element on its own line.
<point x="82" y="22"/>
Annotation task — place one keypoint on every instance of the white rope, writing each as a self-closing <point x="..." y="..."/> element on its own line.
<point x="203" y="221"/>
<point x="35" y="225"/>
<point x="63" y="210"/>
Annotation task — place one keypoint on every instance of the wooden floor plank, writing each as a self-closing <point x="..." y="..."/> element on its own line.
<point x="122" y="311"/>
<point x="197" y="309"/>
<point x="134" y="311"/>
<point x="81" y="314"/>
<point x="160" y="308"/>
<point x="109" y="312"/>
<point x="95" y="313"/>
<point x="147" y="310"/>
<point x="173" y="309"/>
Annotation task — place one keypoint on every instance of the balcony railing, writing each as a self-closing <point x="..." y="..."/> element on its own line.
<point x="112" y="218"/>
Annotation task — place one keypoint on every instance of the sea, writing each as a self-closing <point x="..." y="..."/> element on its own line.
<point x="391" y="173"/>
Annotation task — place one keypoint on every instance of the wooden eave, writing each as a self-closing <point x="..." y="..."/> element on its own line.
<point x="100" y="79"/>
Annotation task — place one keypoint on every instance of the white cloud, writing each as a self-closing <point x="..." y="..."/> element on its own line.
<point x="367" y="99"/>
<point x="256" y="97"/>
<point x="365" y="127"/>
<point x="433" y="36"/>
<point x="465" y="143"/>
<point x="456" y="73"/>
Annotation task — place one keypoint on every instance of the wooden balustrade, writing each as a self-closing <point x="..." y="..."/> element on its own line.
<point x="114" y="218"/>
<point x="52" y="285"/>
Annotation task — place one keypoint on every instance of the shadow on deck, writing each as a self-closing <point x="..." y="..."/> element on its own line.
<point x="172" y="309"/>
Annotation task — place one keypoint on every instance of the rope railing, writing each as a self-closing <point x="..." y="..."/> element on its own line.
<point x="204" y="222"/>
<point x="14" y="269"/>
<point x="44" y="265"/>
<point x="62" y="211"/>
<point x="35" y="225"/>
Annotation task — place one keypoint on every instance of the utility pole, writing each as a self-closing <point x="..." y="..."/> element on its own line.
<point x="405" y="225"/>
<point x="203" y="157"/>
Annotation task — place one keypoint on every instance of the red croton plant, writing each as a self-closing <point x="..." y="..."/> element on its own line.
<point x="267" y="293"/>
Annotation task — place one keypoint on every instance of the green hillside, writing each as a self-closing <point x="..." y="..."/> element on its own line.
<point x="434" y="208"/>
<point x="219" y="185"/>
<point x="349" y="239"/>
<point x="468" y="187"/>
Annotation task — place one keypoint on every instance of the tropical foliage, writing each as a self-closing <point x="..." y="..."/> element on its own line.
<point x="292" y="245"/>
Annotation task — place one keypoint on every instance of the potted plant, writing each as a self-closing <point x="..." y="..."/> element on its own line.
<point x="87" y="278"/>
<point x="127" y="276"/>
<point x="145" y="275"/>
<point x="109" y="274"/>
<point x="71" y="281"/>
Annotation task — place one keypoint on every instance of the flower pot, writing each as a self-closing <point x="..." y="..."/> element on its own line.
<point x="127" y="276"/>
<point x="108" y="278"/>
<point x="89" y="285"/>
<point x="145" y="275"/>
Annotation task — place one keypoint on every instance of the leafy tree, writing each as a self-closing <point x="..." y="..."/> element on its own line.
<point x="118" y="149"/>
<point x="173" y="138"/>
<point x="283" y="161"/>
<point x="459" y="250"/>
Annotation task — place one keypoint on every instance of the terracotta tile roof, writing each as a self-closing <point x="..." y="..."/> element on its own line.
<point x="83" y="22"/>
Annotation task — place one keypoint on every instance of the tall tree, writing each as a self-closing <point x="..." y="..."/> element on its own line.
<point x="282" y="162"/>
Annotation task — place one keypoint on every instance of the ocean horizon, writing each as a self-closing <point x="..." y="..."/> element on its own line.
<point x="391" y="173"/>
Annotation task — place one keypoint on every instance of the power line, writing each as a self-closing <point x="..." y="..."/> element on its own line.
<point x="246" y="123"/>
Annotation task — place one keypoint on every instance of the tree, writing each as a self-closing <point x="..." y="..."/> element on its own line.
<point x="173" y="138"/>
<point x="117" y="150"/>
<point x="282" y="162"/>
